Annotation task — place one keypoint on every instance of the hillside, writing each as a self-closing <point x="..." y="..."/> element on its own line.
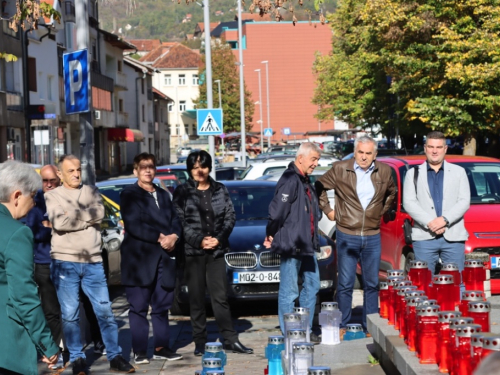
<point x="169" y="20"/>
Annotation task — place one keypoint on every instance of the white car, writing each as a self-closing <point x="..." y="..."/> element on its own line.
<point x="325" y="225"/>
<point x="256" y="170"/>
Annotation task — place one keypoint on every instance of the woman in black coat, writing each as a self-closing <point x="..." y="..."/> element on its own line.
<point x="152" y="229"/>
<point x="207" y="217"/>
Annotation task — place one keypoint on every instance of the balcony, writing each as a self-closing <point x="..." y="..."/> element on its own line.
<point x="106" y="119"/>
<point x="122" y="119"/>
<point x="8" y="31"/>
<point x="121" y="81"/>
<point x="14" y="101"/>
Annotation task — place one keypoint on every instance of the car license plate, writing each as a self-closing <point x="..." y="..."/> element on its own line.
<point x="256" y="277"/>
<point x="495" y="262"/>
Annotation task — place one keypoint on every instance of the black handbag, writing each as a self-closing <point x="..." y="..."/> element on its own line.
<point x="407" y="227"/>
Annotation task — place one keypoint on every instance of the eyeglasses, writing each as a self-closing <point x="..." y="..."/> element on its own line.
<point x="147" y="166"/>
<point x="52" y="181"/>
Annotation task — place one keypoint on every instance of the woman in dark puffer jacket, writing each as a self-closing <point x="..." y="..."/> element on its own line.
<point x="207" y="217"/>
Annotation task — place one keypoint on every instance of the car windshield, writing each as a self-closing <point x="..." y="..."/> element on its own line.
<point x="181" y="174"/>
<point x="484" y="181"/>
<point x="251" y="203"/>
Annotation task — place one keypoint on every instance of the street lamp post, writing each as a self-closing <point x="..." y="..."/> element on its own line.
<point x="220" y="99"/>
<point x="260" y="107"/>
<point x="267" y="95"/>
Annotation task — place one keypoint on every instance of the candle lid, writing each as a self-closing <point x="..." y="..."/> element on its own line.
<point x="417" y="264"/>
<point x="428" y="310"/>
<point x="329" y="306"/>
<point x="296" y="333"/>
<point x="442" y="279"/>
<point x="414" y="293"/>
<point x="303" y="348"/>
<point x="393" y="279"/>
<point x="446" y="316"/>
<point x="213" y="347"/>
<point x="414" y="301"/>
<point x="383" y="285"/>
<point x="391" y="273"/>
<point x="291" y="317"/>
<point x="275" y="340"/>
<point x="491" y="341"/>
<point x="427" y="302"/>
<point x="472" y="263"/>
<point x="473" y="295"/>
<point x="403" y="289"/>
<point x="319" y="370"/>
<point x="401" y="283"/>
<point x="477" y="339"/>
<point x="214" y="372"/>
<point x="354" y="328"/>
<point x="212" y="363"/>
<point x="450" y="267"/>
<point x="198" y="372"/>
<point x="301" y="310"/>
<point x="460" y="321"/>
<point x="480" y="306"/>
<point x="467" y="330"/>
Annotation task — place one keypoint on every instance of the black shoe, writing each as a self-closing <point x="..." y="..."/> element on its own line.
<point x="314" y="338"/>
<point x="165" y="353"/>
<point x="80" y="367"/>
<point x="99" y="348"/>
<point x="121" y="365"/>
<point x="238" y="347"/>
<point x="141" y="358"/>
<point x="199" y="350"/>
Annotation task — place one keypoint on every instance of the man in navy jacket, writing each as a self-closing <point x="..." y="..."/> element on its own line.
<point x="292" y="232"/>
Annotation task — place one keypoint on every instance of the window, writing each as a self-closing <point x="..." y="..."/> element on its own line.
<point x="142" y="86"/>
<point x="195" y="131"/>
<point x="50" y="80"/>
<point x="167" y="79"/>
<point x="42" y="83"/>
<point x="182" y="105"/>
<point x="182" y="79"/>
<point x="143" y="113"/>
<point x="120" y="105"/>
<point x="186" y="128"/>
<point x="119" y="65"/>
<point x="170" y="106"/>
<point x="195" y="80"/>
<point x="32" y="74"/>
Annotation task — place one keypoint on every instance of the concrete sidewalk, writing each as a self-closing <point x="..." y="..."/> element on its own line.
<point x="350" y="357"/>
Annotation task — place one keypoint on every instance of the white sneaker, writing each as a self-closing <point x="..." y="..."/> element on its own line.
<point x="59" y="365"/>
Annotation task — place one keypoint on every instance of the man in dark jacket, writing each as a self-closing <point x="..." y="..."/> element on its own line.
<point x="364" y="190"/>
<point x="292" y="232"/>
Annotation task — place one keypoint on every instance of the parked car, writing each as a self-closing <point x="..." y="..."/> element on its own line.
<point x="177" y="170"/>
<point x="229" y="173"/>
<point x="112" y="233"/>
<point x="184" y="151"/>
<point x="252" y="270"/>
<point x="113" y="187"/>
<point x="482" y="220"/>
<point x="256" y="170"/>
<point x="170" y="181"/>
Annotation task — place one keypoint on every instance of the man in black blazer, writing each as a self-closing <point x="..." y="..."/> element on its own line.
<point x="152" y="229"/>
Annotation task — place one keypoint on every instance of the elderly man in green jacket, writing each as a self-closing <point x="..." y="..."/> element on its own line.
<point x="24" y="331"/>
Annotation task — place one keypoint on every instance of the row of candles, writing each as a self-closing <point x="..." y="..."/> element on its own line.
<point x="437" y="321"/>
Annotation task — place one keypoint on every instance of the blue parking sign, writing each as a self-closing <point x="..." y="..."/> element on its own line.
<point x="76" y="81"/>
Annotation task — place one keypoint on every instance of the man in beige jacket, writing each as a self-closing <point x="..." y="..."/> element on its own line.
<point x="76" y="211"/>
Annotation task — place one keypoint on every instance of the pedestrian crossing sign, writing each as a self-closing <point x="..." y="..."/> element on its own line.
<point x="209" y="121"/>
<point x="268" y="132"/>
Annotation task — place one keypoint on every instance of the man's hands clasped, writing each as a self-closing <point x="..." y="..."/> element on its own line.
<point x="167" y="242"/>
<point x="438" y="225"/>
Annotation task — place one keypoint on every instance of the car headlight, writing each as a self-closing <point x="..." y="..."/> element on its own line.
<point x="113" y="245"/>
<point x="324" y="252"/>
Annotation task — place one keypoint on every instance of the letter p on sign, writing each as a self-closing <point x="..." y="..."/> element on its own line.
<point x="76" y="81"/>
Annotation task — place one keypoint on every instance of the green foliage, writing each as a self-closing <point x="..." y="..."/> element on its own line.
<point x="224" y="68"/>
<point x="372" y="360"/>
<point x="442" y="57"/>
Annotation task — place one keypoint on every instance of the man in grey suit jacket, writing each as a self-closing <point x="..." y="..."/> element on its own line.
<point x="437" y="206"/>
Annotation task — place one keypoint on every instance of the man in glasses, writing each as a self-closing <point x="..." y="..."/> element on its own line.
<point x="37" y="220"/>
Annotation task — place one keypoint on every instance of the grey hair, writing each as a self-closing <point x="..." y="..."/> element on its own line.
<point x="307" y="147"/>
<point x="15" y="175"/>
<point x="365" y="139"/>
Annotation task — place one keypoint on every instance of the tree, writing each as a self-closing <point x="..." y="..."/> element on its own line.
<point x="440" y="57"/>
<point x="225" y="69"/>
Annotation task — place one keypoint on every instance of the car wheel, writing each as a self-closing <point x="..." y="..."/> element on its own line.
<point x="406" y="260"/>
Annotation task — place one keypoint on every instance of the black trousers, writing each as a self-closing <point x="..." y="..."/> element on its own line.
<point x="50" y="303"/>
<point x="201" y="271"/>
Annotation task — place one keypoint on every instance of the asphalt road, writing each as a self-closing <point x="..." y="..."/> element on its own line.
<point x="254" y="322"/>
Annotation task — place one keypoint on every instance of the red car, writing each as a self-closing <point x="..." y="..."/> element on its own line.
<point x="482" y="220"/>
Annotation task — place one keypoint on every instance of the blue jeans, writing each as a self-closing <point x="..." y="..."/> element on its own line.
<point x="449" y="252"/>
<point x="67" y="278"/>
<point x="289" y="287"/>
<point x="350" y="249"/>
